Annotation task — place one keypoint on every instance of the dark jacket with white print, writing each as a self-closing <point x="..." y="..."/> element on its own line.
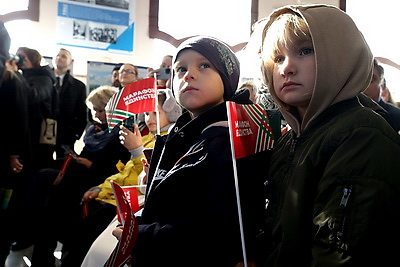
<point x="190" y="217"/>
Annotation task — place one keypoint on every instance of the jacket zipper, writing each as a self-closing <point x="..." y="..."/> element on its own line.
<point x="343" y="203"/>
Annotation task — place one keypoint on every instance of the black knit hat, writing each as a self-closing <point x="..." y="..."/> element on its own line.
<point x="220" y="55"/>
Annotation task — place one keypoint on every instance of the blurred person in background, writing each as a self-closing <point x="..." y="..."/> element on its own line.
<point x="387" y="95"/>
<point x="374" y="91"/>
<point x="115" y="77"/>
<point x="14" y="153"/>
<point x="72" y="110"/>
<point x="39" y="81"/>
<point x="165" y="66"/>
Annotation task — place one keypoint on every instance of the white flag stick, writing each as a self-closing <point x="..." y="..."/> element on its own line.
<point x="237" y="187"/>
<point x="156" y="103"/>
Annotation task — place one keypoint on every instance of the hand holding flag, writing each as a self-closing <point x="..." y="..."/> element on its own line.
<point x="122" y="251"/>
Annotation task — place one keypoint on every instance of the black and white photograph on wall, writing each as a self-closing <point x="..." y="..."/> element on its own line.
<point x="103" y="34"/>
<point x="79" y="31"/>
<point x="104" y="25"/>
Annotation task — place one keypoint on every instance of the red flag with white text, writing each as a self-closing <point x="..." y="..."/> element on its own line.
<point x="135" y="98"/>
<point x="250" y="133"/>
<point x="122" y="252"/>
<point x="122" y="193"/>
<point x="131" y="194"/>
<point x="249" y="128"/>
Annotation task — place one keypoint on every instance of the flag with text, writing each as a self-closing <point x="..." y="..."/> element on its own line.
<point x="135" y="98"/>
<point x="249" y="128"/>
<point x="122" y="252"/>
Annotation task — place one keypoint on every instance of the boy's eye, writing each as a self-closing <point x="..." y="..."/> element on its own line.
<point x="306" y="51"/>
<point x="279" y="59"/>
<point x="204" y="66"/>
<point x="181" y="69"/>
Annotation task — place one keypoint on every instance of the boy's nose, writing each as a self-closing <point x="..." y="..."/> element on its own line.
<point x="287" y="67"/>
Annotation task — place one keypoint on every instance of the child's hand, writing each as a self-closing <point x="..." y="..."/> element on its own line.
<point x="150" y="72"/>
<point x="15" y="164"/>
<point x="130" y="140"/>
<point x="145" y="170"/>
<point x="117" y="232"/>
<point x="89" y="195"/>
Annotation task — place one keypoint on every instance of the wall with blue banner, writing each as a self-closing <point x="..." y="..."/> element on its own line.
<point x="97" y="24"/>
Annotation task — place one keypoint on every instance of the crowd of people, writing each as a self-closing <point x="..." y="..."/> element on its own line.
<point x="326" y="194"/>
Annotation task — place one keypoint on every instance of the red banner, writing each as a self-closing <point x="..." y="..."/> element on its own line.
<point x="124" y="194"/>
<point x="122" y="252"/>
<point x="249" y="129"/>
<point x="135" y="98"/>
<point x="131" y="195"/>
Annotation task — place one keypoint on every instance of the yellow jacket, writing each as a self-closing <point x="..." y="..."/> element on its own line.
<point x="128" y="173"/>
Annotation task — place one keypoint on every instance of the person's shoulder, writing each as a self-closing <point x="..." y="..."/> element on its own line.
<point x="41" y="72"/>
<point x="217" y="135"/>
<point x="74" y="81"/>
<point x="362" y="119"/>
<point x="391" y="108"/>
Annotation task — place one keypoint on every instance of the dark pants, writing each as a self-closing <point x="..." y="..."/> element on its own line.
<point x="54" y="210"/>
<point x="13" y="210"/>
<point x="86" y="232"/>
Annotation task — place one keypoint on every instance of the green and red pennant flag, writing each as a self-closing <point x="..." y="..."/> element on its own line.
<point x="135" y="98"/>
<point x="249" y="128"/>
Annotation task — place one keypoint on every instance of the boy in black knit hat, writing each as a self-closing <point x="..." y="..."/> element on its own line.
<point x="190" y="216"/>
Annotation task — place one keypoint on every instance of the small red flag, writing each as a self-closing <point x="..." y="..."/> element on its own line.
<point x="135" y="98"/>
<point x="249" y="129"/>
<point x="131" y="195"/>
<point x="122" y="252"/>
<point x="125" y="196"/>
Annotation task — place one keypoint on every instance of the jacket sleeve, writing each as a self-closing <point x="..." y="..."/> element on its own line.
<point x="356" y="209"/>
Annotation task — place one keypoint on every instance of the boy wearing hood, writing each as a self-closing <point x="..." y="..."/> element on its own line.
<point x="333" y="185"/>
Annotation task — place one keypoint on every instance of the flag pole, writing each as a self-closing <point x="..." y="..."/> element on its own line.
<point x="156" y="104"/>
<point x="236" y="185"/>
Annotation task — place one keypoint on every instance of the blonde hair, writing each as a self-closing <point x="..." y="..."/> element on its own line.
<point x="285" y="30"/>
<point x="98" y="98"/>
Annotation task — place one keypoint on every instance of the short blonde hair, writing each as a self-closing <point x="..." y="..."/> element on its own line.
<point x="285" y="30"/>
<point x="99" y="97"/>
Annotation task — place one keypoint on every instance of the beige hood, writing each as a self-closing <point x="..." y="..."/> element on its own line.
<point x="344" y="61"/>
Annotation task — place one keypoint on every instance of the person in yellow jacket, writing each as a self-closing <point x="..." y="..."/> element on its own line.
<point x="103" y="210"/>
